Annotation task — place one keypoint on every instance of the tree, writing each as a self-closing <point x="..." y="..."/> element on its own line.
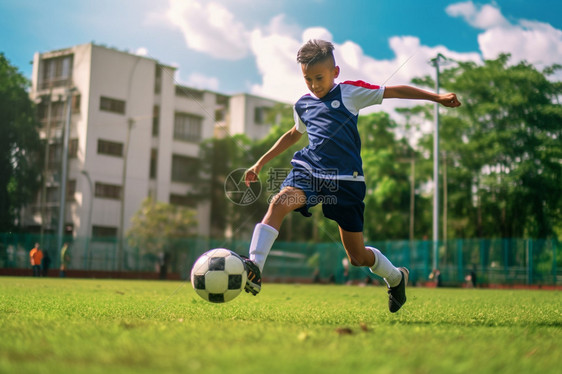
<point x="505" y="149"/>
<point x="159" y="228"/>
<point x="20" y="146"/>
<point x="223" y="163"/>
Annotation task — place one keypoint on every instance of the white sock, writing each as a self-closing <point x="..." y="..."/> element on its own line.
<point x="262" y="241"/>
<point x="384" y="268"/>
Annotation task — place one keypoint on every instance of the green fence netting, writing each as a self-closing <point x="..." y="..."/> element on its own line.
<point x="493" y="261"/>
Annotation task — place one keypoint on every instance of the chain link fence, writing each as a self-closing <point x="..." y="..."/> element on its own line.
<point x="488" y="261"/>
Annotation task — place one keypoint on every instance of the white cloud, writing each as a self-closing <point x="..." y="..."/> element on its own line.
<point x="210" y="28"/>
<point x="482" y="17"/>
<point x="141" y="51"/>
<point x="316" y="33"/>
<point x="535" y="42"/>
<point x="202" y="82"/>
<point x="275" y="55"/>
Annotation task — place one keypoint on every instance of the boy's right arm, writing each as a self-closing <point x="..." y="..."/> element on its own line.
<point x="409" y="92"/>
<point x="285" y="141"/>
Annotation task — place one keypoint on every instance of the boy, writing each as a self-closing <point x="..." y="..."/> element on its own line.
<point x="330" y="166"/>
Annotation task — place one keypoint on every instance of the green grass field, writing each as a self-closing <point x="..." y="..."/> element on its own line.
<point x="106" y="326"/>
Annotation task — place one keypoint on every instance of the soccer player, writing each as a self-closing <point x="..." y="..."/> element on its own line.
<point x="329" y="170"/>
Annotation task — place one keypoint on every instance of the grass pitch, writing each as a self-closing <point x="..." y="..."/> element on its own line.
<point x="106" y="326"/>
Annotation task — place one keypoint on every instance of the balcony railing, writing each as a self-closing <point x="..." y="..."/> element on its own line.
<point x="55" y="82"/>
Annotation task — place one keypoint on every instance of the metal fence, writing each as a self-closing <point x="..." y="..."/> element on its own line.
<point x="492" y="261"/>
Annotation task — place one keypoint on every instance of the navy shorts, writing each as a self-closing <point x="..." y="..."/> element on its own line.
<point x="342" y="200"/>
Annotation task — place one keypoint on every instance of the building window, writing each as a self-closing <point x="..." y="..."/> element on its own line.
<point x="57" y="72"/>
<point x="55" y="117"/>
<point x="155" y="120"/>
<point x="112" y="105"/>
<point x="70" y="189"/>
<point x="158" y="79"/>
<point x="183" y="200"/>
<point x="55" y="156"/>
<point x="219" y="115"/>
<point x="104" y="232"/>
<point x="187" y="127"/>
<point x="190" y="93"/>
<point x="108" y="191"/>
<point x="76" y="103"/>
<point x="221" y="100"/>
<point x="153" y="163"/>
<point x="52" y="194"/>
<point x="73" y="148"/>
<point x="184" y="169"/>
<point x="55" y="153"/>
<point x="106" y="147"/>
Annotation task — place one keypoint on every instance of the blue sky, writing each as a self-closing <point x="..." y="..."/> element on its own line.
<point x="250" y="45"/>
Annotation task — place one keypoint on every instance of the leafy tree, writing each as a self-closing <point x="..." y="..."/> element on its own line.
<point x="20" y="146"/>
<point x="233" y="207"/>
<point x="158" y="228"/>
<point x="504" y="149"/>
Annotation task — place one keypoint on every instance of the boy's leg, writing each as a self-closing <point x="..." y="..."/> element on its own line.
<point x="359" y="255"/>
<point x="262" y="240"/>
<point x="265" y="233"/>
<point x="289" y="199"/>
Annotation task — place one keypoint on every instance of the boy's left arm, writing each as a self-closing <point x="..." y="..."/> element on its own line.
<point x="413" y="93"/>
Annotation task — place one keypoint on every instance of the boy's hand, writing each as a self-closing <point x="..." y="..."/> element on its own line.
<point x="251" y="175"/>
<point x="449" y="100"/>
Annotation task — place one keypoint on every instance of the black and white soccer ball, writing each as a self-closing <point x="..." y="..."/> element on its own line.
<point x="218" y="275"/>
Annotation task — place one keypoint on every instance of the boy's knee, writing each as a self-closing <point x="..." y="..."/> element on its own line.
<point x="288" y="199"/>
<point x="359" y="261"/>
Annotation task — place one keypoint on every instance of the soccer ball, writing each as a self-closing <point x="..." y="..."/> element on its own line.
<point x="218" y="275"/>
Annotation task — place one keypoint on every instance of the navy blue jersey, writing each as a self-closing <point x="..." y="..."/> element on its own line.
<point x="334" y="149"/>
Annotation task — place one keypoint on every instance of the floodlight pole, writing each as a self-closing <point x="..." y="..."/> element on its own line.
<point x="130" y="123"/>
<point x="64" y="168"/>
<point x="435" y="62"/>
<point x="88" y="226"/>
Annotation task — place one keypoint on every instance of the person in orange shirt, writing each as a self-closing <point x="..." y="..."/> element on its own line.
<point x="35" y="257"/>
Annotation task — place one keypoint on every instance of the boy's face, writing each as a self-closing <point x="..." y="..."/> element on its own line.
<point x="319" y="77"/>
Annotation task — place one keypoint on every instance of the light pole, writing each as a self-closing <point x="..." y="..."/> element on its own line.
<point x="435" y="62"/>
<point x="88" y="230"/>
<point x="64" y="168"/>
<point x="46" y="161"/>
<point x="130" y="124"/>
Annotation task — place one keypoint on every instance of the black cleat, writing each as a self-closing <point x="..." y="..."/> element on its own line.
<point x="253" y="284"/>
<point x="397" y="295"/>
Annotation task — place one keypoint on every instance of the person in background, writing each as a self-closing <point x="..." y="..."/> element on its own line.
<point x="64" y="260"/>
<point x="35" y="258"/>
<point x="46" y="264"/>
<point x="436" y="277"/>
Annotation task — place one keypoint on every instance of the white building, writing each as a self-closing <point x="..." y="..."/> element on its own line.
<point x="132" y="130"/>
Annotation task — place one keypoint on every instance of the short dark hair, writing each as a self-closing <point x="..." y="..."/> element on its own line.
<point x="314" y="51"/>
